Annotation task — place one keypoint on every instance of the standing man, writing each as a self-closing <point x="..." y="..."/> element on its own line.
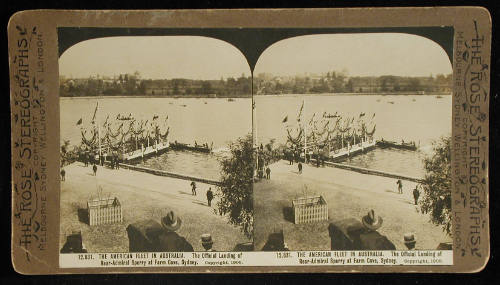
<point x="169" y="240"/>
<point x="400" y="186"/>
<point x="300" y="167"/>
<point x="63" y="174"/>
<point x="94" y="168"/>
<point x="416" y="194"/>
<point x="210" y="196"/>
<point x="193" y="188"/>
<point x="268" y="172"/>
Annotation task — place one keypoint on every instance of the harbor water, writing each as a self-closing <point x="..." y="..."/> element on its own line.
<point x="419" y="118"/>
<point x="422" y="119"/>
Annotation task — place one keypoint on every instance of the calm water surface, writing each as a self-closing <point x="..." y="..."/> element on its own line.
<point x="418" y="118"/>
<point x="422" y="119"/>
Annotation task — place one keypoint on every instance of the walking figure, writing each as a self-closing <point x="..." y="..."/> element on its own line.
<point x="268" y="173"/>
<point x="94" y="168"/>
<point x="400" y="186"/>
<point x="416" y="194"/>
<point x="63" y="175"/>
<point x="210" y="196"/>
<point x="300" y="167"/>
<point x="117" y="162"/>
<point x="193" y="188"/>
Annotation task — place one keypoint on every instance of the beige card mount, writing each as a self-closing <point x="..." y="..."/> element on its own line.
<point x="267" y="140"/>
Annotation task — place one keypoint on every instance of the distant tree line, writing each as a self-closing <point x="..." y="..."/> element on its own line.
<point x="132" y="84"/>
<point x="339" y="82"/>
<point x="331" y="82"/>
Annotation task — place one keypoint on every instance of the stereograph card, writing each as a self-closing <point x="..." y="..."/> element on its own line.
<point x="286" y="140"/>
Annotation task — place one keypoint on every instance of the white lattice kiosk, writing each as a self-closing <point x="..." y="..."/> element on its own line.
<point x="104" y="211"/>
<point x="309" y="209"/>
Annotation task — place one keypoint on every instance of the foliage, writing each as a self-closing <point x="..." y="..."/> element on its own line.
<point x="236" y="186"/>
<point x="67" y="155"/>
<point x="436" y="198"/>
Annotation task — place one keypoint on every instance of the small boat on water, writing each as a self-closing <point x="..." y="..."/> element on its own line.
<point x="391" y="102"/>
<point x="205" y="102"/>
<point x="402" y="145"/>
<point x="230" y="99"/>
<point x="439" y="96"/>
<point x="183" y="105"/>
<point x="184" y="146"/>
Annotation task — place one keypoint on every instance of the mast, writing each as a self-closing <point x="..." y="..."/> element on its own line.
<point x="305" y="132"/>
<point x="254" y="126"/>
<point x="98" y="130"/>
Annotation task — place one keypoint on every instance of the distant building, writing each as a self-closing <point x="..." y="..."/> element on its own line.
<point x="104" y="211"/>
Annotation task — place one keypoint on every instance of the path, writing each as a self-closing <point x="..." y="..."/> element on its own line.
<point x="349" y="195"/>
<point x="143" y="196"/>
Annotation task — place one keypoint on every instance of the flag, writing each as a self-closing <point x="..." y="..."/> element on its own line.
<point x="79" y="122"/>
<point x="312" y="118"/>
<point x="300" y="111"/>
<point x="285" y="119"/>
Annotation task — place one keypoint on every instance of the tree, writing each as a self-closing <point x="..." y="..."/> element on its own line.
<point x="414" y="84"/>
<point x="67" y="155"/>
<point x="206" y="87"/>
<point x="436" y="198"/>
<point x="236" y="186"/>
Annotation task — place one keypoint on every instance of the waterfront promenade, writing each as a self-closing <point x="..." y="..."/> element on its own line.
<point x="349" y="194"/>
<point x="142" y="196"/>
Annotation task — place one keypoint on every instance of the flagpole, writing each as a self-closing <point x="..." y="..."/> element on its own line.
<point x="254" y="126"/>
<point x="98" y="131"/>
<point x="305" y="131"/>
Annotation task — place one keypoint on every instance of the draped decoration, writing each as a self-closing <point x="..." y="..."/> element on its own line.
<point x="333" y="131"/>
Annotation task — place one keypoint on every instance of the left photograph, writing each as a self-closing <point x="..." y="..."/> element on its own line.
<point x="155" y="136"/>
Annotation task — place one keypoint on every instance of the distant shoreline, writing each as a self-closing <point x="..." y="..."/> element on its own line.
<point x="158" y="96"/>
<point x="356" y="94"/>
<point x="260" y="95"/>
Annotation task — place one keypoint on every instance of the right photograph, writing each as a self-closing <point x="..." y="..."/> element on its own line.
<point x="352" y="139"/>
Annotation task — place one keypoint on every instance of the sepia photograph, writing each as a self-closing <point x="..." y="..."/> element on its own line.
<point x="150" y="131"/>
<point x="353" y="135"/>
<point x="250" y="140"/>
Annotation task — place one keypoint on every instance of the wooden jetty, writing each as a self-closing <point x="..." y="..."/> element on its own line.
<point x="145" y="152"/>
<point x="351" y="150"/>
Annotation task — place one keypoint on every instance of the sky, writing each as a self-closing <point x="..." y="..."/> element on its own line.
<point x="360" y="54"/>
<point x="161" y="57"/>
<point x="207" y="58"/>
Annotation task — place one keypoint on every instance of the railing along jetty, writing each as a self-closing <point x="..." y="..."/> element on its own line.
<point x="169" y="174"/>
